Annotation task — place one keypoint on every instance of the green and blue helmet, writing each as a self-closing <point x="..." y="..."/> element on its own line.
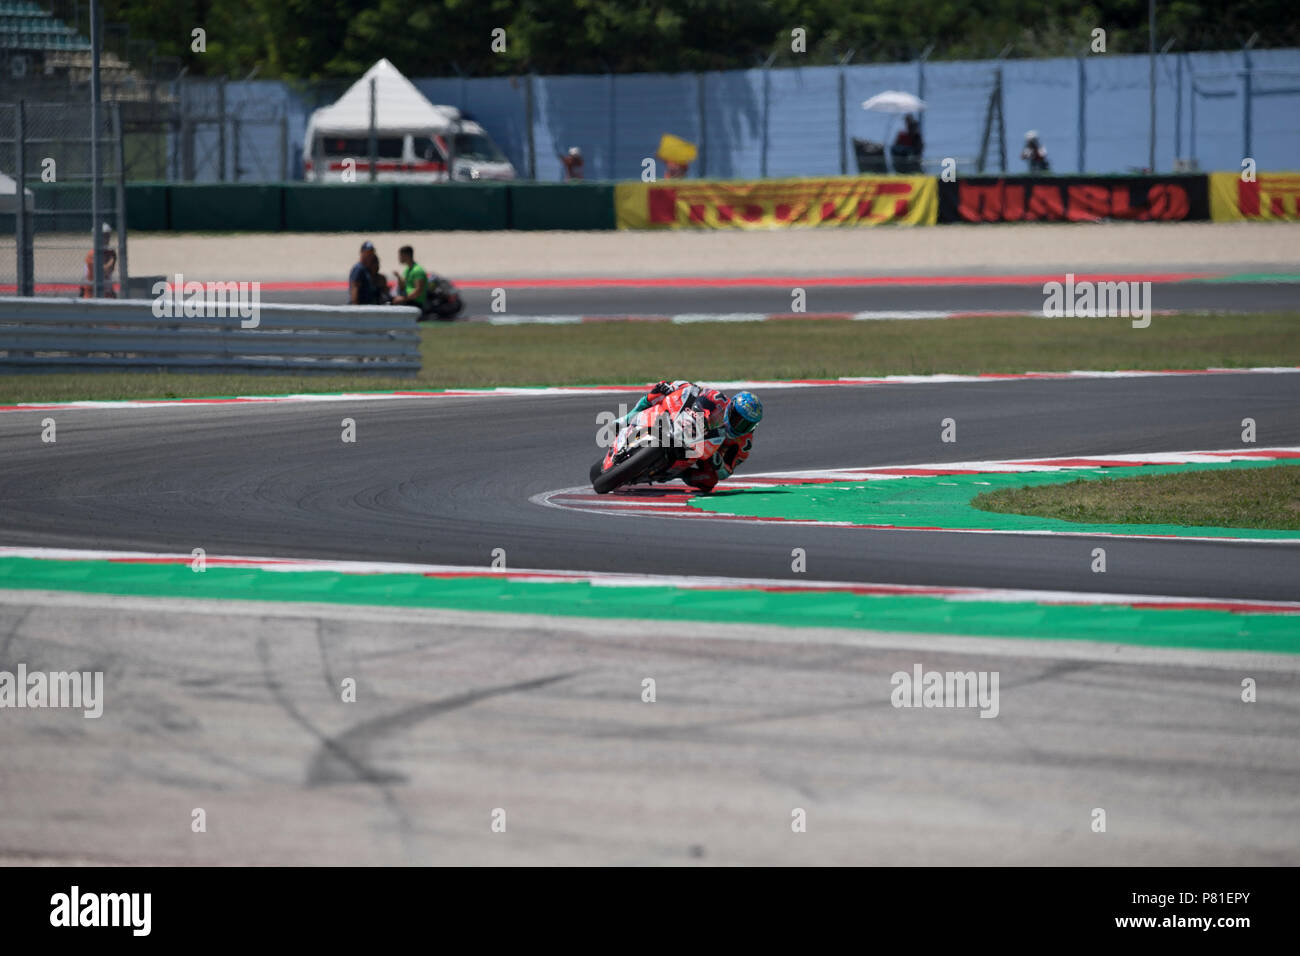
<point x="744" y="412"/>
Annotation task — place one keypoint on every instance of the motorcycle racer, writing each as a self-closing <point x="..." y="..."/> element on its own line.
<point x="730" y="427"/>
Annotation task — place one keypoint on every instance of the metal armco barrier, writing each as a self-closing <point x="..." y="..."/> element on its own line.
<point x="63" y="335"/>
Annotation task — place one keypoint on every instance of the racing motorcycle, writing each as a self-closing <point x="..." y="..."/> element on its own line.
<point x="443" y="301"/>
<point x="659" y="443"/>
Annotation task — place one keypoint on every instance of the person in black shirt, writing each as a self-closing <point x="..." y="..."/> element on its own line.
<point x="1035" y="153"/>
<point x="361" y="283"/>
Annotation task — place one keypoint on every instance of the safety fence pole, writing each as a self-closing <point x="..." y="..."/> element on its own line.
<point x="97" y="243"/>
<point x="1248" y="87"/>
<point x="1178" y="104"/>
<point x="22" y="228"/>
<point x="373" y="145"/>
<point x="1083" y="110"/>
<point x="119" y="136"/>
<point x="1151" y="139"/>
<point x="221" y="130"/>
<point x="844" y="159"/>
<point x="613" y="129"/>
<point x="767" y="102"/>
<point x="528" y="125"/>
<point x="704" y="126"/>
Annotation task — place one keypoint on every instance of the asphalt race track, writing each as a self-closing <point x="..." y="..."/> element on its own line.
<point x="233" y="707"/>
<point x="448" y="480"/>
<point x="669" y="300"/>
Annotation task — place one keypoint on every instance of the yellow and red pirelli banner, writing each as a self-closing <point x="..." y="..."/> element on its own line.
<point x="777" y="203"/>
<point x="1270" y="196"/>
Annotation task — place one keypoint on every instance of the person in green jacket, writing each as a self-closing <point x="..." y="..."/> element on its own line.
<point x="412" y="280"/>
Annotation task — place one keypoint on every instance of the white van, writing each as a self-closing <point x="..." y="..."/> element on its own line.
<point x="416" y="141"/>
<point x="407" y="157"/>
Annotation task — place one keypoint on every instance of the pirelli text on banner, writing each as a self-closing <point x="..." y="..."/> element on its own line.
<point x="1267" y="196"/>
<point x="778" y="203"/>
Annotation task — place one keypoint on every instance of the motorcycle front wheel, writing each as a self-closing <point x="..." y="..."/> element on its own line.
<point x="640" y="463"/>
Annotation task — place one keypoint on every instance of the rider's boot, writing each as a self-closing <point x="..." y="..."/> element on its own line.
<point x="702" y="477"/>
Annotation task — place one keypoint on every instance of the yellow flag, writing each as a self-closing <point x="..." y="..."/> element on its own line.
<point x="674" y="150"/>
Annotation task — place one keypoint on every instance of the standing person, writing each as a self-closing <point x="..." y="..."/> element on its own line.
<point x="108" y="262"/>
<point x="909" y="138"/>
<point x="1034" y="153"/>
<point x="908" y="147"/>
<point x="572" y="164"/>
<point x="675" y="170"/>
<point x="361" y="284"/>
<point x="382" y="295"/>
<point x="412" y="281"/>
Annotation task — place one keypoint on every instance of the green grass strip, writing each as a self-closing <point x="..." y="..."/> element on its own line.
<point x="1254" y="498"/>
<point x="460" y="355"/>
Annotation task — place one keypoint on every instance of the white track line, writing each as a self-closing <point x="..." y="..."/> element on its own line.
<point x="546" y="392"/>
<point x="586" y="500"/>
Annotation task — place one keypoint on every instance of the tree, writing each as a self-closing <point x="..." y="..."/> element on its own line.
<point x="318" y="39"/>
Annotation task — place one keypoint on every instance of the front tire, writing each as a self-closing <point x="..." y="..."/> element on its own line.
<point x="637" y="465"/>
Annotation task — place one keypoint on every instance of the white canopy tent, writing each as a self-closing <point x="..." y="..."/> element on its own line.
<point x="417" y="141"/>
<point x="9" y="193"/>
<point x="399" y="107"/>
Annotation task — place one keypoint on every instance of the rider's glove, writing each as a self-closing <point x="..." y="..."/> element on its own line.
<point x="663" y="388"/>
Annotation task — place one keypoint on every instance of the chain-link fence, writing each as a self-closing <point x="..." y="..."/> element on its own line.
<point x="60" y="221"/>
<point x="230" y="132"/>
<point x="1213" y="109"/>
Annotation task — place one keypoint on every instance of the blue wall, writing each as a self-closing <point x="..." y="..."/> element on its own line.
<point x="789" y="122"/>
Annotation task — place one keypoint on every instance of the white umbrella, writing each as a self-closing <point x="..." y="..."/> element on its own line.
<point x="894" y="101"/>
